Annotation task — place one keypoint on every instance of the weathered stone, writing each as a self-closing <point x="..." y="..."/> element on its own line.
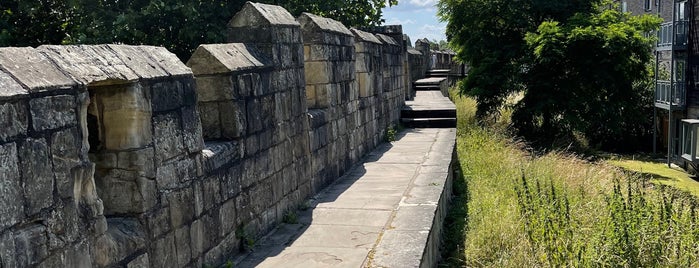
<point x="227" y="217"/>
<point x="125" y="118"/>
<point x="181" y="207"/>
<point x="233" y="121"/>
<point x="216" y="88"/>
<point x="139" y="262"/>
<point x="138" y="61"/>
<point x="163" y="252"/>
<point x="192" y="127"/>
<point x="33" y="69"/>
<point x="9" y="88"/>
<point x="11" y="210"/>
<point x="158" y="222"/>
<point x="124" y="236"/>
<point x="168" y="137"/>
<point x="256" y="14"/>
<point x="89" y="64"/>
<point x="13" y="120"/>
<point x="141" y="161"/>
<point x="318" y="72"/>
<point x="167" y="61"/>
<point x="8" y="257"/>
<point x="182" y="242"/>
<point x="36" y="176"/>
<point x="167" y="176"/>
<point x="225" y="58"/>
<point x="210" y="120"/>
<point x="53" y="112"/>
<point x="31" y="245"/>
<point x="125" y="192"/>
<point x="197" y="236"/>
<point x="167" y="96"/>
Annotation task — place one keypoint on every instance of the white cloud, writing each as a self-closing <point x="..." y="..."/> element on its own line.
<point x="423" y="3"/>
<point x="395" y="21"/>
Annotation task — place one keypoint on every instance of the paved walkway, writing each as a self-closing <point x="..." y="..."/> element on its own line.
<point x="385" y="212"/>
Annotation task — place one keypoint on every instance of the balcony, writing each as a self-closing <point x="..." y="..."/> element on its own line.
<point x="662" y="95"/>
<point x="665" y="35"/>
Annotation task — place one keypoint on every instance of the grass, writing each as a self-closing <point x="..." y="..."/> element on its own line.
<point x="659" y="173"/>
<point x="518" y="209"/>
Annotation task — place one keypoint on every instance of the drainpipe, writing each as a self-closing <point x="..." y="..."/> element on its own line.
<point x="672" y="86"/>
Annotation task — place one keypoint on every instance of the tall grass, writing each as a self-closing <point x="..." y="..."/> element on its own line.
<point x="556" y="209"/>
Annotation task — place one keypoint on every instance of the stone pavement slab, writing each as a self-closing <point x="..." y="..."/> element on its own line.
<point x="385" y="212"/>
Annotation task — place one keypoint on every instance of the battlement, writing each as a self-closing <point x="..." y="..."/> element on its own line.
<point x="118" y="155"/>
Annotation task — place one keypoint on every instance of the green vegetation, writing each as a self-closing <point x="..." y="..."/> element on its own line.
<point x="555" y="209"/>
<point x="582" y="67"/>
<point x="178" y="25"/>
<point x="659" y="173"/>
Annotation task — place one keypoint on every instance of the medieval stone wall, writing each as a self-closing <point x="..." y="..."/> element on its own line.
<point x="123" y="156"/>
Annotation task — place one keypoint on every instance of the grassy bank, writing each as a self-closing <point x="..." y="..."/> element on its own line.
<point x="519" y="210"/>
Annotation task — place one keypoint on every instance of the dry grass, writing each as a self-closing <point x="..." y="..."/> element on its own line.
<point x="560" y="210"/>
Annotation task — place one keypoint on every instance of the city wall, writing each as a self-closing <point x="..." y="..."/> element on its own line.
<point x="123" y="156"/>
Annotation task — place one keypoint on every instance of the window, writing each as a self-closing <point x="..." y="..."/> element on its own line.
<point x="647" y="5"/>
<point x="623" y="6"/>
<point x="690" y="130"/>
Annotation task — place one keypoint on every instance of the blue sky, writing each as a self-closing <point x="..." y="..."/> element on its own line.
<point x="418" y="17"/>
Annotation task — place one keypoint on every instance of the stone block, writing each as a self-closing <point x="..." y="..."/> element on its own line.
<point x="254" y="116"/>
<point x="211" y="193"/>
<point x="181" y="206"/>
<point x="53" y="112"/>
<point x="125" y="192"/>
<point x="365" y="85"/>
<point x="216" y="88"/>
<point x="30" y="245"/>
<point x="125" y="118"/>
<point x="37" y="177"/>
<point x="166" y="95"/>
<point x="13" y="120"/>
<point x="8" y="257"/>
<point x="233" y="120"/>
<point x="324" y="95"/>
<point x="256" y="14"/>
<point x="210" y="120"/>
<point x="191" y="124"/>
<point x="227" y="217"/>
<point x="141" y="261"/>
<point x="163" y="252"/>
<point x="65" y="146"/>
<point x="141" y="161"/>
<point x="167" y="137"/>
<point x="318" y="72"/>
<point x="157" y="221"/>
<point x="182" y="245"/>
<point x="197" y="236"/>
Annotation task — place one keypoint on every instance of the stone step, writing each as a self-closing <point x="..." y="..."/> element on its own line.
<point x="428" y="122"/>
<point x="438" y="73"/>
<point x="426" y="87"/>
<point x="428" y="113"/>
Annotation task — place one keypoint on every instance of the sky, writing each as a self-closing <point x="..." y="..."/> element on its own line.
<point x="418" y="17"/>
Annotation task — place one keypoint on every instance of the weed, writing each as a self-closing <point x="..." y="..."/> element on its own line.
<point x="555" y="209"/>
<point x="290" y="217"/>
<point x="391" y="134"/>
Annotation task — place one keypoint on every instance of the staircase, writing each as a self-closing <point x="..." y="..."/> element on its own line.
<point x="431" y="107"/>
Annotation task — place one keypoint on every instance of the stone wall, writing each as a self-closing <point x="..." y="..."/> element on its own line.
<point x="123" y="156"/>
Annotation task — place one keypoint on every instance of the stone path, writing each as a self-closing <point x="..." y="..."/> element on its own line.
<point x="386" y="212"/>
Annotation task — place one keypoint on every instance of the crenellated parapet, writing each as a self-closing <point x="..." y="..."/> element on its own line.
<point x="123" y="156"/>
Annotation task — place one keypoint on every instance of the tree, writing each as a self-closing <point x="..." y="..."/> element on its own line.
<point x="178" y="25"/>
<point x="581" y="66"/>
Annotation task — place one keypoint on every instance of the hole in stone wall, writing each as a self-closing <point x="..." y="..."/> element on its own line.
<point x="119" y="133"/>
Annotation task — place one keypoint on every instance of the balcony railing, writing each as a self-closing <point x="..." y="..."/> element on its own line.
<point x="662" y="95"/>
<point x="665" y="34"/>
